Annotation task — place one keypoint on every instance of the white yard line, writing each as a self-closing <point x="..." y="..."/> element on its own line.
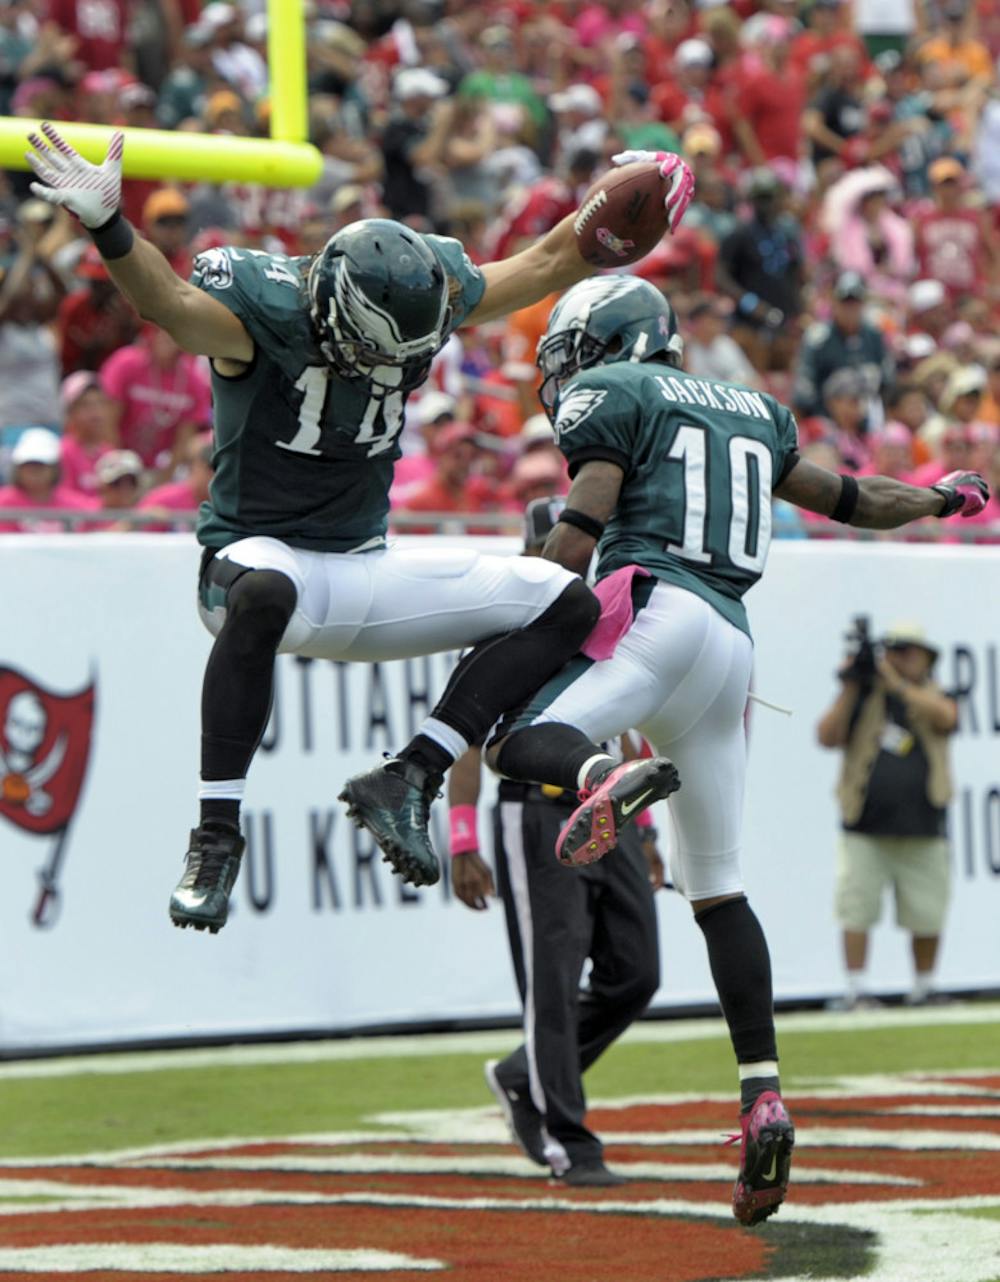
<point x="476" y="1043"/>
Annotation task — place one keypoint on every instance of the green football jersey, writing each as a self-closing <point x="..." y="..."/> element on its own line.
<point x="700" y="458"/>
<point x="302" y="454"/>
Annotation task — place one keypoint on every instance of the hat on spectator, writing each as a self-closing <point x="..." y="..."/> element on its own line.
<point x="218" y="15"/>
<point x="967" y="380"/>
<point x="115" y="464"/>
<point x="894" y="433"/>
<point x="221" y="103"/>
<point x="844" y="382"/>
<point x="702" y="139"/>
<point x="906" y="634"/>
<point x="74" y="385"/>
<point x="197" y="35"/>
<point x="35" y="211"/>
<point x="536" y="468"/>
<point x="693" y="53"/>
<point x="945" y="169"/>
<point x="255" y="28"/>
<point x="453" y="434"/>
<point x="916" y="347"/>
<point x="339" y="36"/>
<point x="496" y="36"/>
<point x="418" y="82"/>
<point x="925" y="294"/>
<point x="537" y="430"/>
<point x="165" y="202"/>
<point x="888" y="61"/>
<point x="850" y="285"/>
<point x="346" y="196"/>
<point x="136" y="95"/>
<point x="433" y="406"/>
<point x="36" y="445"/>
<point x="540" y="517"/>
<point x="583" y="98"/>
<point x="90" y="265"/>
<point x="958" y="334"/>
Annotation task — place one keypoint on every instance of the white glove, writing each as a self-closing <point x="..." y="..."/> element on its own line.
<point x="92" y="192"/>
<point x="675" y="173"/>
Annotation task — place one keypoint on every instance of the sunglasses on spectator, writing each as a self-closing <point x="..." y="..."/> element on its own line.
<point x="171" y="220"/>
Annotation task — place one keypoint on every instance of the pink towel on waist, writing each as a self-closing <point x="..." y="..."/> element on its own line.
<point x="615" y="596"/>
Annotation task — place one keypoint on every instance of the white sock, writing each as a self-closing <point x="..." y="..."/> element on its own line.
<point x="760" y="1068"/>
<point x="923" y="982"/>
<point x="445" y="737"/>
<point x="855" y="983"/>
<point x="588" y="765"/>
<point x="221" y="789"/>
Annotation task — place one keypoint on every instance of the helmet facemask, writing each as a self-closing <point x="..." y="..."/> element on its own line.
<point x="565" y="354"/>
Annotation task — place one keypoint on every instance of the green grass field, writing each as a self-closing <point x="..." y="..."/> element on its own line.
<point x="332" y="1101"/>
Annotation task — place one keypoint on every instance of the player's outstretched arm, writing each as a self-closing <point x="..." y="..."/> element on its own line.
<point x="879" y="502"/>
<point x="193" y="319"/>
<point x="554" y="263"/>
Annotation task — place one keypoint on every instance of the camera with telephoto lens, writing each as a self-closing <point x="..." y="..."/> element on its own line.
<point x="862" y="654"/>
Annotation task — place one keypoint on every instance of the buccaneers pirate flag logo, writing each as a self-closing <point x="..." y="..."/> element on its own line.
<point x="44" y="747"/>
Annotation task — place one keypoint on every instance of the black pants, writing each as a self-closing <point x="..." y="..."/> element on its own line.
<point x="557" y="918"/>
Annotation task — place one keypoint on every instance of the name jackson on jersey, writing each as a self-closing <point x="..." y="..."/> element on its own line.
<point x="302" y="453"/>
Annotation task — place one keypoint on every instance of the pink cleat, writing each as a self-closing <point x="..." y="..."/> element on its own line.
<point x="592" y="829"/>
<point x="765" y="1159"/>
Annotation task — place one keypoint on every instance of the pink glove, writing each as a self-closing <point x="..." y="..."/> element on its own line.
<point x="964" y="493"/>
<point x="674" y="172"/>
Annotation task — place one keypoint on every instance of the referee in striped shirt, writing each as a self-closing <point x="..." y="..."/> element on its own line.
<point x="557" y="919"/>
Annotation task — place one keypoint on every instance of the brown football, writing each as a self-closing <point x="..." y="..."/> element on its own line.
<point x="621" y="217"/>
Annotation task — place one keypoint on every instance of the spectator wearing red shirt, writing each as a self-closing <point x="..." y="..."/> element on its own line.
<point x="162" y="397"/>
<point x="450" y="487"/>
<point x="100" y="28"/>
<point x="35" y="483"/>
<point x="88" y="430"/>
<point x="182" y="496"/>
<point x="94" y="320"/>
<point x="690" y="95"/>
<point x="768" y="126"/>
<point x="956" y="245"/>
<point x="826" y="31"/>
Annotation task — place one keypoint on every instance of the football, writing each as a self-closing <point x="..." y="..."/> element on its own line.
<point x="621" y="217"/>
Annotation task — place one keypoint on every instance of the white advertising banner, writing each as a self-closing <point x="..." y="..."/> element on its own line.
<point x="101" y="657"/>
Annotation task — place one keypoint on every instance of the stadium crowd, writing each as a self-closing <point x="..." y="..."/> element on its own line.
<point x="842" y="252"/>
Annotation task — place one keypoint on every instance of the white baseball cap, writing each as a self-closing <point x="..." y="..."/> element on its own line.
<point x="693" y="53"/>
<point x="925" y="294"/>
<point x="36" y="445"/>
<point x="418" y="82"/>
<point x="577" y="98"/>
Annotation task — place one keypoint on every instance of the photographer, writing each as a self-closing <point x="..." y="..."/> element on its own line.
<point x="892" y="722"/>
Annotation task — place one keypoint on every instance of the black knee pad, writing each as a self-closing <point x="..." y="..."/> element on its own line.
<point x="260" y="603"/>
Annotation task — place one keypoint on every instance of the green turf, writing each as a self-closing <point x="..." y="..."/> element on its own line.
<point x="91" y="1112"/>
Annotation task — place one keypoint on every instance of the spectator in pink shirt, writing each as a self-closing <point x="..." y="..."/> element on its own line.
<point x="35" y="484"/>
<point x="162" y="395"/>
<point x="186" y="495"/>
<point x="88" y="430"/>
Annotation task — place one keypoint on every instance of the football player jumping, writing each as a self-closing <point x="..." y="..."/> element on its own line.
<point x="672" y="481"/>
<point x="312" y="362"/>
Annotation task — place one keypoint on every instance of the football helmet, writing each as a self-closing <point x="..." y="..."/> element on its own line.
<point x="601" y="320"/>
<point x="378" y="298"/>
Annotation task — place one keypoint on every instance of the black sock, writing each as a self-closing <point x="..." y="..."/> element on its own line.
<point x="751" y="1088"/>
<point x="501" y="673"/>
<point x="741" y="969"/>
<point x="220" y="809"/>
<point x="550" y="753"/>
<point x="425" y="752"/>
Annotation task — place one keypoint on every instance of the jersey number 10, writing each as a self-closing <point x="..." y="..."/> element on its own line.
<point x="749" y="484"/>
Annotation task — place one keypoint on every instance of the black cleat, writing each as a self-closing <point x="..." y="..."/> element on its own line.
<point x="201" y="898"/>
<point x="523" y="1120"/>
<point x="591" y="1175"/>
<point x="393" y="802"/>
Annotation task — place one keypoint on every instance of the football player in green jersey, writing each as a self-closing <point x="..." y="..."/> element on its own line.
<point x="672" y="482"/>
<point x="312" y="362"/>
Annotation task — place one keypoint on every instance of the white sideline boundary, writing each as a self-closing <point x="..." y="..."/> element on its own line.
<point x="648" y="1032"/>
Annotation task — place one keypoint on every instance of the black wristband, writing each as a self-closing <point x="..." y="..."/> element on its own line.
<point x="848" y="500"/>
<point x="588" y="524"/>
<point x="952" y="500"/>
<point x="115" y="238"/>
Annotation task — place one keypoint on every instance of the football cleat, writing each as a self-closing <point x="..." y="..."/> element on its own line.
<point x="201" y="898"/>
<point x="523" y="1120"/>
<point x="592" y="830"/>
<point x="768" y="1137"/>
<point x="393" y="802"/>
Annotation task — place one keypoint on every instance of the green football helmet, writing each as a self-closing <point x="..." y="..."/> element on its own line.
<point x="378" y="298"/>
<point x="602" y="320"/>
